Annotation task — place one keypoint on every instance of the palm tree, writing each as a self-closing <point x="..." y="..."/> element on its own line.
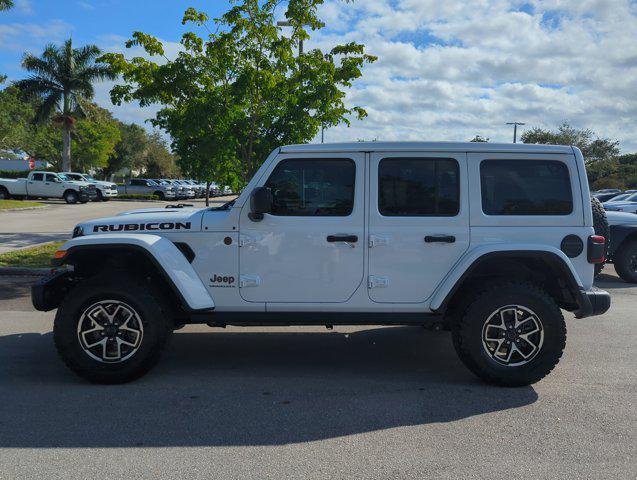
<point x="63" y="80"/>
<point x="6" y="4"/>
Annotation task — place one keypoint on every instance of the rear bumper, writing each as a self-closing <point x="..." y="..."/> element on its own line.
<point x="592" y="302"/>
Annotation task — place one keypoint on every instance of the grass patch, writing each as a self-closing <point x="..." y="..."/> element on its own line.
<point x="9" y="204"/>
<point x="34" y="257"/>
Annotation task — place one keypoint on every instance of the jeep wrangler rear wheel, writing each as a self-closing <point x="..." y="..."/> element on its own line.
<point x="512" y="334"/>
<point x="111" y="330"/>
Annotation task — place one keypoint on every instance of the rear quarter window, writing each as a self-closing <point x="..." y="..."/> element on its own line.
<point x="525" y="187"/>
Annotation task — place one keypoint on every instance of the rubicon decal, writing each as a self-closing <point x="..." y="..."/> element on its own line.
<point x="136" y="227"/>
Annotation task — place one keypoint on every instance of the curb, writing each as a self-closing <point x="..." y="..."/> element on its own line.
<point x="21" y="209"/>
<point x="22" y="271"/>
<point x="131" y="200"/>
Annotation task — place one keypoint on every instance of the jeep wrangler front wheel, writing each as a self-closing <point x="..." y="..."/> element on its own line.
<point x="111" y="331"/>
<point x="512" y="334"/>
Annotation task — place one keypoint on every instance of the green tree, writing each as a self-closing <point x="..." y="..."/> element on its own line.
<point x="479" y="139"/>
<point x="95" y="138"/>
<point x="130" y="150"/>
<point x="158" y="161"/>
<point x="6" y="4"/>
<point x="593" y="148"/>
<point x="16" y="116"/>
<point x="233" y="95"/>
<point x="62" y="79"/>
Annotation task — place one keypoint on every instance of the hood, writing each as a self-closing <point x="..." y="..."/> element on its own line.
<point x="155" y="221"/>
<point x="621" y="218"/>
<point x="104" y="184"/>
<point x="78" y="182"/>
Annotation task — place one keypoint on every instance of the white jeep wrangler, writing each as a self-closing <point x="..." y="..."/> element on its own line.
<point x="491" y="241"/>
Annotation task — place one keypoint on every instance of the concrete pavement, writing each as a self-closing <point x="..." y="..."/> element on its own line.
<point x="372" y="403"/>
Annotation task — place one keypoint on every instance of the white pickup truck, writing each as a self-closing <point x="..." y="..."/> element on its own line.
<point x="48" y="185"/>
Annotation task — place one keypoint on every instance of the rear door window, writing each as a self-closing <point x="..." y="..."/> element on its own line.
<point x="525" y="187"/>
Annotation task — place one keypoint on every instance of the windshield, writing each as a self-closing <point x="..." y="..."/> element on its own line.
<point x="88" y="178"/>
<point x="152" y="182"/>
<point x="631" y="198"/>
<point x="63" y="177"/>
<point x="619" y="197"/>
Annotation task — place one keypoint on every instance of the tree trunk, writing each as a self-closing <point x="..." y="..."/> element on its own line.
<point x="66" y="147"/>
<point x="208" y="193"/>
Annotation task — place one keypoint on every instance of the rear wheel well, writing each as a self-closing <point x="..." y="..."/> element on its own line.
<point x="122" y="261"/>
<point x="544" y="269"/>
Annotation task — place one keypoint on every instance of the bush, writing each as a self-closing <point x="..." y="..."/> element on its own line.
<point x="20" y="173"/>
<point x="136" y="197"/>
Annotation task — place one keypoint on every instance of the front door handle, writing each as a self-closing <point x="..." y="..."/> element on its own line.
<point x="342" y="238"/>
<point x="440" y="239"/>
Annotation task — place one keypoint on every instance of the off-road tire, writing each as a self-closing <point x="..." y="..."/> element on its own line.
<point x="467" y="334"/>
<point x="161" y="195"/>
<point x="142" y="298"/>
<point x="100" y="197"/>
<point x="623" y="261"/>
<point x="71" y="197"/>
<point x="600" y="225"/>
<point x="4" y="194"/>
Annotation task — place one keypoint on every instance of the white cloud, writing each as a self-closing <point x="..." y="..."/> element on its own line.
<point x="24" y="7"/>
<point x="31" y="36"/>
<point x="451" y="70"/>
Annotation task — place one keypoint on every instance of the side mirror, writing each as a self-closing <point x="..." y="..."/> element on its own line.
<point x="260" y="203"/>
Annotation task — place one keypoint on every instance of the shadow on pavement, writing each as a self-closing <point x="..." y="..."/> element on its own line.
<point x="605" y="280"/>
<point x="252" y="388"/>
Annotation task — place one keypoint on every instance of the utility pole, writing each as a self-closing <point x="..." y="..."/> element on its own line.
<point x="515" y="130"/>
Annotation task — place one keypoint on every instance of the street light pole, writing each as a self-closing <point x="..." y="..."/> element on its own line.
<point x="515" y="130"/>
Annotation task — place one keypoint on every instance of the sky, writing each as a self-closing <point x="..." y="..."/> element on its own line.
<point x="447" y="70"/>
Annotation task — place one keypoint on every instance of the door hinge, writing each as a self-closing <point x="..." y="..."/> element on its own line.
<point x="246" y="240"/>
<point x="377" y="240"/>
<point x="375" y="281"/>
<point x="246" y="281"/>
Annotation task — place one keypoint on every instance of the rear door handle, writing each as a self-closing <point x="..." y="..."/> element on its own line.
<point x="342" y="238"/>
<point x="440" y="239"/>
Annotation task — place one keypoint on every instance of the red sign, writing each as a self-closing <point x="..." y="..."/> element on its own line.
<point x="31" y="164"/>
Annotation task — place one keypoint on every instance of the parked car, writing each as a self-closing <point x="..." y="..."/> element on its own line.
<point x="198" y="190"/>
<point x="48" y="185"/>
<point x="628" y="204"/>
<point x="491" y="240"/>
<point x="604" y="197"/>
<point x="622" y="250"/>
<point x="607" y="190"/>
<point x="145" y="186"/>
<point x="105" y="190"/>
<point x="184" y="192"/>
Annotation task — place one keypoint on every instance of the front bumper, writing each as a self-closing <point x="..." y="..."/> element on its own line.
<point x="87" y="194"/>
<point x="107" y="193"/>
<point x="48" y="293"/>
<point x="592" y="302"/>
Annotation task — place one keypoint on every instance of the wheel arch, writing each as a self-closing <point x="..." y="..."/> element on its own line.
<point x="619" y="235"/>
<point x="151" y="256"/>
<point x="545" y="267"/>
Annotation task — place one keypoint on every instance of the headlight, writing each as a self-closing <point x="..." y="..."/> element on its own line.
<point x="78" y="231"/>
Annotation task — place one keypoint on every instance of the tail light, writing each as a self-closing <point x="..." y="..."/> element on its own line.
<point x="596" y="249"/>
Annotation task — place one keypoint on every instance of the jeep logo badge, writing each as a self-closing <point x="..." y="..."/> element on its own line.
<point x="221" y="281"/>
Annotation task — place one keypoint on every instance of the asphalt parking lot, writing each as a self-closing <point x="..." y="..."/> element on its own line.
<point x="380" y="403"/>
<point x="25" y="228"/>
